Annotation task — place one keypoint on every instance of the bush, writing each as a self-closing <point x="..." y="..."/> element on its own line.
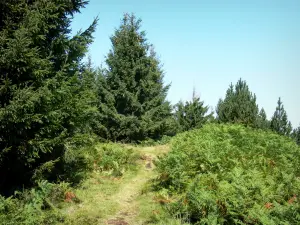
<point x="229" y="174"/>
<point x="36" y="206"/>
<point x="114" y="158"/>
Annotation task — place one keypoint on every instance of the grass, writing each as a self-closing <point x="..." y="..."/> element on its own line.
<point x="105" y="199"/>
<point x="95" y="203"/>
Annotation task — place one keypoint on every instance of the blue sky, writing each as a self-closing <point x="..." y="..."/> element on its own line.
<point x="209" y="44"/>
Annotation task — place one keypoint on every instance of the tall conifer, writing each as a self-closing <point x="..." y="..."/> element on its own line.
<point x="135" y="79"/>
<point x="44" y="105"/>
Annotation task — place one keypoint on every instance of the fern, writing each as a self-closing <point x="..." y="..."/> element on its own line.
<point x="229" y="174"/>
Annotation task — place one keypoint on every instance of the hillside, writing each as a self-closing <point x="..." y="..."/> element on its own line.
<point x="220" y="174"/>
<point x="230" y="174"/>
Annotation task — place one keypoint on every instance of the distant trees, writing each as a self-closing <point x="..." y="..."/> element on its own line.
<point x="262" y="122"/>
<point x="135" y="81"/>
<point x="45" y="103"/>
<point x="279" y="121"/>
<point x="238" y="106"/>
<point x="296" y="135"/>
<point x="191" y="114"/>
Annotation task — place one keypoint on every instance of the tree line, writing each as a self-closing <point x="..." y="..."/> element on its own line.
<point x="53" y="103"/>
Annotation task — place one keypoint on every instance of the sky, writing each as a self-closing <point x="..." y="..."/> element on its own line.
<point x="207" y="44"/>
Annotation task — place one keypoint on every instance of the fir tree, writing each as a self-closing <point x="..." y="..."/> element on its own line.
<point x="296" y="135"/>
<point x="239" y="105"/>
<point x="279" y="121"/>
<point x="262" y="121"/>
<point x="44" y="103"/>
<point x="106" y="121"/>
<point x="191" y="114"/>
<point x="135" y="80"/>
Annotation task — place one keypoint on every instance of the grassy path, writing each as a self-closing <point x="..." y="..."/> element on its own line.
<point x="120" y="201"/>
<point x="128" y="197"/>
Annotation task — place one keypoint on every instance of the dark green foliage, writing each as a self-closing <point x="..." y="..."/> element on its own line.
<point x="45" y="104"/>
<point x="230" y="174"/>
<point x="192" y="114"/>
<point x="262" y="122"/>
<point x="135" y="80"/>
<point x="107" y="117"/>
<point x="279" y="121"/>
<point x="239" y="105"/>
<point x="296" y="135"/>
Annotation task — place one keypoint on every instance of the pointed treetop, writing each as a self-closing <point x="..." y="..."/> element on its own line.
<point x="279" y="121"/>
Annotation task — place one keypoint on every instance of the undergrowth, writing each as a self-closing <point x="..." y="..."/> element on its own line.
<point x="229" y="174"/>
<point x="39" y="205"/>
<point x="43" y="204"/>
<point x="114" y="159"/>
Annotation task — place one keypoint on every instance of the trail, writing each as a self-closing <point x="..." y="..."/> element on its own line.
<point x="131" y="189"/>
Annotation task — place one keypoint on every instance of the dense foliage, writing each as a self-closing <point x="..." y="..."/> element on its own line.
<point x="135" y="80"/>
<point x="238" y="106"/>
<point x="191" y="114"/>
<point x="296" y="135"/>
<point x="45" y="106"/>
<point x="42" y="204"/>
<point x="229" y="174"/>
<point x="279" y="121"/>
<point x="114" y="158"/>
<point x="35" y="206"/>
<point x="261" y="121"/>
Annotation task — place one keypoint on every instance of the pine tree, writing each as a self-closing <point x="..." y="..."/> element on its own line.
<point x="279" y="121"/>
<point x="135" y="79"/>
<point x="262" y="121"/>
<point x="239" y="105"/>
<point x="296" y="135"/>
<point x="45" y="106"/>
<point x="191" y="114"/>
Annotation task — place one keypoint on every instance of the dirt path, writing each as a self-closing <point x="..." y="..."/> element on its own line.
<point x="131" y="189"/>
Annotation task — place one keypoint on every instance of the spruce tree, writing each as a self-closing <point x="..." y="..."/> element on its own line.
<point x="191" y="114"/>
<point x="296" y="135"/>
<point x="107" y="117"/>
<point x="239" y="105"/>
<point x="262" y="122"/>
<point x="135" y="79"/>
<point x="45" y="106"/>
<point x="279" y="121"/>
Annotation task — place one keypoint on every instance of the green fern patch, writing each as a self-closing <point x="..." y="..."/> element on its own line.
<point x="229" y="174"/>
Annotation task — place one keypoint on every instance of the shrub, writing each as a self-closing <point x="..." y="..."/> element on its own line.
<point x="35" y="206"/>
<point x="114" y="158"/>
<point x="229" y="174"/>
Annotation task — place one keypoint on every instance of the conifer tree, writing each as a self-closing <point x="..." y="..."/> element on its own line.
<point x="262" y="121"/>
<point x="296" y="135"/>
<point x="45" y="105"/>
<point x="107" y="117"/>
<point x="279" y="121"/>
<point x="239" y="105"/>
<point x="135" y="80"/>
<point x="191" y="114"/>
